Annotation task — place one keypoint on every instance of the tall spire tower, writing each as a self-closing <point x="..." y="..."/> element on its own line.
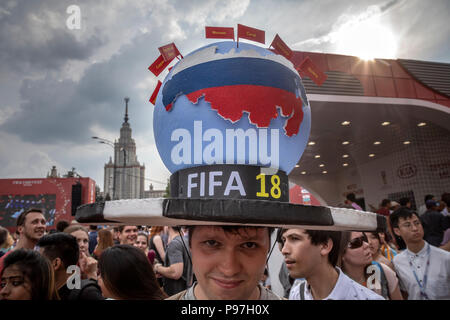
<point x="126" y="109"/>
<point x="128" y="172"/>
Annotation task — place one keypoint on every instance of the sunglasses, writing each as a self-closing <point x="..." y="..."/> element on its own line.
<point x="357" y="242"/>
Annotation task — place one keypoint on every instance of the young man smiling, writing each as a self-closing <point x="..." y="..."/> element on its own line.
<point x="128" y="234"/>
<point x="228" y="263"/>
<point x="31" y="227"/>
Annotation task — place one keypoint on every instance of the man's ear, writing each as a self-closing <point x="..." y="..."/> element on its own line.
<point x="396" y="231"/>
<point x="57" y="264"/>
<point x="19" y="229"/>
<point x="325" y="248"/>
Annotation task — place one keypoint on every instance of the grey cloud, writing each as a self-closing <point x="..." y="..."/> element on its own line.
<point x="31" y="41"/>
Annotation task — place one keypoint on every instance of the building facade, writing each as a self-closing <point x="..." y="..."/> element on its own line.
<point x="124" y="177"/>
<point x="379" y="130"/>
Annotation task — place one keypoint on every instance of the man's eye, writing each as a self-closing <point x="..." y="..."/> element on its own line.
<point x="17" y="283"/>
<point x="3" y="284"/>
<point x="211" y="243"/>
<point x="249" y="245"/>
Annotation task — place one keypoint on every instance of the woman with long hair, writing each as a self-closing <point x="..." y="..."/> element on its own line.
<point x="87" y="264"/>
<point x="27" y="275"/>
<point x="157" y="243"/>
<point x="126" y="274"/>
<point x="375" y="249"/>
<point x="104" y="241"/>
<point x="356" y="262"/>
<point x="143" y="244"/>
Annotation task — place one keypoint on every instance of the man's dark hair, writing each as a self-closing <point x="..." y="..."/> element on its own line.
<point x="351" y="197"/>
<point x="176" y="228"/>
<point x="229" y="229"/>
<point x="402" y="212"/>
<point x="23" y="215"/>
<point x="385" y="202"/>
<point x="93" y="227"/>
<point x="428" y="197"/>
<point x="61" y="225"/>
<point x="60" y="245"/>
<point x="321" y="236"/>
<point x="120" y="228"/>
<point x="404" y="201"/>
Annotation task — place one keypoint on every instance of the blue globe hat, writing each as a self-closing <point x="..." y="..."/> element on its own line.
<point x="227" y="105"/>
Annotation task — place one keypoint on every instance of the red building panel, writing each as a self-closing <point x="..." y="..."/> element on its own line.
<point x="368" y="85"/>
<point x="423" y="92"/>
<point x="385" y="87"/>
<point x="405" y="88"/>
<point x="359" y="66"/>
<point x="398" y="71"/>
<point x="381" y="68"/>
<point x="444" y="102"/>
<point x="339" y="63"/>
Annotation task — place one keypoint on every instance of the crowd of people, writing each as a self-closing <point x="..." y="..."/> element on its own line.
<point x="408" y="260"/>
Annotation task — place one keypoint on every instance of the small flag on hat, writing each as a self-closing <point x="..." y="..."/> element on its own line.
<point x="159" y="65"/>
<point x="312" y="71"/>
<point x="219" y="33"/>
<point x="155" y="93"/>
<point x="251" y="34"/>
<point x="169" y="52"/>
<point x="282" y="48"/>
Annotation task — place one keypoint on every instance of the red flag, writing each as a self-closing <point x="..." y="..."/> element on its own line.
<point x="251" y="34"/>
<point x="282" y="48"/>
<point x="169" y="52"/>
<point x="159" y="65"/>
<point x="155" y="93"/>
<point x="312" y="71"/>
<point x="219" y="33"/>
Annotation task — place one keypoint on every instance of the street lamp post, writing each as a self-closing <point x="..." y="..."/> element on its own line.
<point x="111" y="144"/>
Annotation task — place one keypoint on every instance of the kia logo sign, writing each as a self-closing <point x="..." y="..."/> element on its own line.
<point x="406" y="171"/>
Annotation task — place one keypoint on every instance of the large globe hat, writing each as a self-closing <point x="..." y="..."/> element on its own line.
<point x="223" y="104"/>
<point x="230" y="122"/>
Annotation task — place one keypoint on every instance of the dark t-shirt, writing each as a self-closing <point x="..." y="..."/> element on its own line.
<point x="89" y="291"/>
<point x="176" y="253"/>
<point x="434" y="224"/>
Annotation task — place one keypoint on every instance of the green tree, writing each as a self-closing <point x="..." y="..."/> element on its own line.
<point x="167" y="194"/>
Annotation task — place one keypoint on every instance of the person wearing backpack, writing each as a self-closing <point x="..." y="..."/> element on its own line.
<point x="63" y="252"/>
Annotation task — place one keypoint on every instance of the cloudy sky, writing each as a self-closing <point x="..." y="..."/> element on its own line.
<point x="59" y="87"/>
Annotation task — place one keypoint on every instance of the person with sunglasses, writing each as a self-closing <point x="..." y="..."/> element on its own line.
<point x="356" y="261"/>
<point x="422" y="268"/>
<point x="313" y="255"/>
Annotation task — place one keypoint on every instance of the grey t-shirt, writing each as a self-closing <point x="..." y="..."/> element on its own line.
<point x="266" y="294"/>
<point x="176" y="253"/>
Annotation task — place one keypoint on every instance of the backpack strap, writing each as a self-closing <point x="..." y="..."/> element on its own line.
<point x="384" y="283"/>
<point x="302" y="290"/>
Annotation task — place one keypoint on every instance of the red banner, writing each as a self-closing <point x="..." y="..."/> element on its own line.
<point x="312" y="71"/>
<point x="155" y="93"/>
<point x="219" y="33"/>
<point x="251" y="34"/>
<point x="159" y="65"/>
<point x="169" y="52"/>
<point x="282" y="48"/>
